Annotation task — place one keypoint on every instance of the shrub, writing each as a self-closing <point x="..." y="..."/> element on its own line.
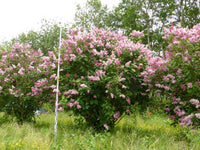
<point x="25" y="80"/>
<point x="177" y="75"/>
<point x="100" y="75"/>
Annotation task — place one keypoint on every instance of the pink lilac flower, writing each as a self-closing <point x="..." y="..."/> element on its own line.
<point x="21" y="71"/>
<point x="117" y="62"/>
<point x="197" y="115"/>
<point x="60" y="109"/>
<point x="1" y="88"/>
<point x="183" y="86"/>
<point x="111" y="95"/>
<point x="83" y="86"/>
<point x="31" y="67"/>
<point x="70" y="105"/>
<point x="106" y="126"/>
<point x="72" y="100"/>
<point x="186" y="120"/>
<point x="6" y="79"/>
<point x="121" y="79"/>
<point x="124" y="87"/>
<point x="71" y="92"/>
<point x="94" y="96"/>
<point x="189" y="85"/>
<point x="76" y="103"/>
<point x="122" y="95"/>
<point x="128" y="63"/>
<point x="53" y="76"/>
<point x="38" y="70"/>
<point x="72" y="56"/>
<point x="128" y="100"/>
<point x="135" y="33"/>
<point x="78" y="107"/>
<point x="178" y="111"/>
<point x="2" y="72"/>
<point x="88" y="91"/>
<point x="53" y="65"/>
<point x="93" y="78"/>
<point x="128" y="111"/>
<point x="99" y="73"/>
<point x="179" y="72"/>
<point x="195" y="102"/>
<point x="166" y="88"/>
<point x="116" y="115"/>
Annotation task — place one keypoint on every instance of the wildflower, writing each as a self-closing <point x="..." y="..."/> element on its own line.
<point x="149" y="113"/>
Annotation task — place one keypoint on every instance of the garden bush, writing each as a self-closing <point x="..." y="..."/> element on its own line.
<point x="25" y="81"/>
<point x="99" y="79"/>
<point x="177" y="75"/>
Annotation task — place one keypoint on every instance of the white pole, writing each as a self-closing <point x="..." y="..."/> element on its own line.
<point x="58" y="75"/>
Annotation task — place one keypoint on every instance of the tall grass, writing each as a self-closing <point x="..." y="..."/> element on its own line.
<point x="136" y="132"/>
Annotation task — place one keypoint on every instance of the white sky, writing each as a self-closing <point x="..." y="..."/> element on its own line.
<point x="17" y="16"/>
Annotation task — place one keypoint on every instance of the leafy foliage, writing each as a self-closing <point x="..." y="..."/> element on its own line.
<point x="100" y="76"/>
<point x="25" y="81"/>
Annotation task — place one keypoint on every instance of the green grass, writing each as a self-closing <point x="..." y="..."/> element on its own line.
<point x="138" y="132"/>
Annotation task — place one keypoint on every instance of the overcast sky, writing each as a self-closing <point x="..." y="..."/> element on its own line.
<point x="17" y="16"/>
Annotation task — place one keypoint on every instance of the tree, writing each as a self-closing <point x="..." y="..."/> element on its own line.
<point x="148" y="15"/>
<point x="92" y="14"/>
<point x="47" y="38"/>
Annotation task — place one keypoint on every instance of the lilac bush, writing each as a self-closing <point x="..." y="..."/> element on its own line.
<point x="100" y="79"/>
<point x="25" y="80"/>
<point x="177" y="75"/>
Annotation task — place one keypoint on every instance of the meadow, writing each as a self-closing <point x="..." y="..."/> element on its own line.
<point x="149" y="130"/>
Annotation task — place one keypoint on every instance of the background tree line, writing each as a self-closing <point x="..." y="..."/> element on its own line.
<point x="148" y="15"/>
